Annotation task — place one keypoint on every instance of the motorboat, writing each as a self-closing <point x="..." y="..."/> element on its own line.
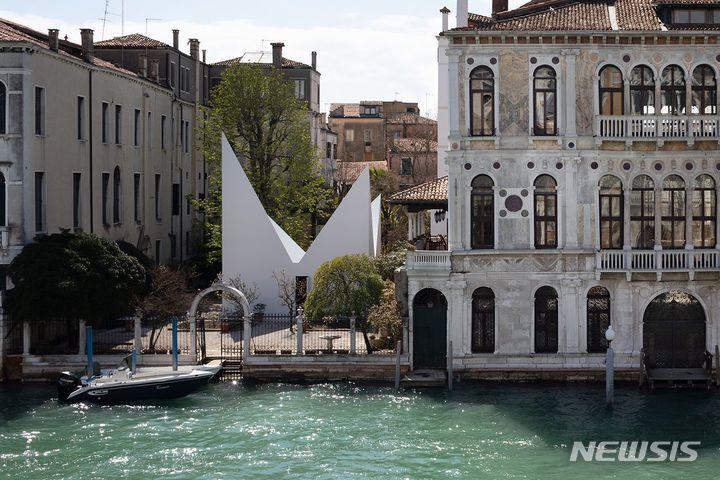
<point x="121" y="385"/>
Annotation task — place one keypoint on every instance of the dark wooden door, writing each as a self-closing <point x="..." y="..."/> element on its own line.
<point x="429" y="329"/>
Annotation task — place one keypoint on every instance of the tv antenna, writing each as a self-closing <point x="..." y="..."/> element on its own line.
<point x="105" y="19"/>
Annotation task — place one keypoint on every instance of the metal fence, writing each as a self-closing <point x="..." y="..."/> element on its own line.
<point x="54" y="337"/>
<point x="13" y="338"/>
<point x="114" y="337"/>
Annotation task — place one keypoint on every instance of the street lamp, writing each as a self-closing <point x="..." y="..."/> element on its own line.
<point x="609" y="366"/>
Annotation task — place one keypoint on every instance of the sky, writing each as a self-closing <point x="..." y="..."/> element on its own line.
<point x="367" y="49"/>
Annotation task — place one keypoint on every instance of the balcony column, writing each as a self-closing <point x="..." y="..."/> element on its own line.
<point x="627" y="235"/>
<point x="569" y="318"/>
<point x="689" y="244"/>
<point x="658" y="216"/>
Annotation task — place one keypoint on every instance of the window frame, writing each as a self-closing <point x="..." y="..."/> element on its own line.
<point x="545" y="92"/>
<point x="80" y="118"/>
<point x="104" y="120"/>
<point x="547" y="219"/>
<point x="544" y="299"/>
<point x="646" y="220"/>
<point x="645" y="90"/>
<point x="39" y="112"/>
<point x="3" y="201"/>
<point x="703" y="91"/>
<point x="598" y="303"/>
<point x="702" y="217"/>
<point x="4" y="97"/>
<point x="678" y="220"/>
<point x="610" y="219"/>
<point x="482" y="321"/>
<point x="77" y="199"/>
<point x="117" y="196"/>
<point x="484" y="130"/>
<point x="482" y="201"/>
<point x="612" y="91"/>
<point x="40" y="197"/>
<point x="676" y="93"/>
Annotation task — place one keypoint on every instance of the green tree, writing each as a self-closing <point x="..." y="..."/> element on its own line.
<point x="74" y="276"/>
<point x="269" y="130"/>
<point x="343" y="286"/>
<point x="393" y="220"/>
<point x="385" y="318"/>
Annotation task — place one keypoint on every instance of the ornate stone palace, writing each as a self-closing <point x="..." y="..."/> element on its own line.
<point x="583" y="166"/>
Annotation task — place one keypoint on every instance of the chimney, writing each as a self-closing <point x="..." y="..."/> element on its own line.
<point x="314" y="60"/>
<point x="142" y="66"/>
<point x="176" y="39"/>
<point x="88" y="47"/>
<point x="462" y="13"/>
<point x="53" y="37"/>
<point x="155" y="70"/>
<point x="445" y="12"/>
<point x="499" y="6"/>
<point x="204" y="52"/>
<point x="277" y="54"/>
<point x="194" y="48"/>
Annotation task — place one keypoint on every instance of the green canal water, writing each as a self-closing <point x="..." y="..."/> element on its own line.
<point x="339" y="431"/>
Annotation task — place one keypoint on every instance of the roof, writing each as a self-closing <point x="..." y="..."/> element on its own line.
<point x="14" y="32"/>
<point x="418" y="145"/>
<point x="245" y="59"/>
<point x="348" y="172"/>
<point x="574" y="15"/>
<point x="134" y="40"/>
<point x="408" y="118"/>
<point x="432" y="192"/>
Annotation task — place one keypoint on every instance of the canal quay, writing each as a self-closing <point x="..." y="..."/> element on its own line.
<point x="345" y="430"/>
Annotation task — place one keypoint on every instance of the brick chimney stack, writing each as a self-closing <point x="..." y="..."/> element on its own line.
<point x="445" y="24"/>
<point x="204" y="56"/>
<point x="314" y="60"/>
<point x="499" y="6"/>
<point x="277" y="54"/>
<point x="176" y="39"/>
<point x="142" y="65"/>
<point x="155" y="70"/>
<point x="53" y="38"/>
<point x="194" y="48"/>
<point x="88" y="47"/>
<point x="462" y="13"/>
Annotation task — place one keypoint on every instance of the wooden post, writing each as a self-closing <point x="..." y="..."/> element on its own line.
<point x="247" y="334"/>
<point x="137" y="341"/>
<point x="299" y="332"/>
<point x="81" y="337"/>
<point x="175" y="343"/>
<point x="192" y="321"/>
<point x="352" y="334"/>
<point x="717" y="366"/>
<point x="450" y="366"/>
<point x="26" y="338"/>
<point x="89" y="351"/>
<point x="397" y="365"/>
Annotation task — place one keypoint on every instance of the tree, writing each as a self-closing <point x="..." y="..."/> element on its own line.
<point x="268" y="128"/>
<point x="393" y="220"/>
<point x="169" y="296"/>
<point x="385" y="317"/>
<point x="251" y="292"/>
<point x="343" y="286"/>
<point x="74" y="276"/>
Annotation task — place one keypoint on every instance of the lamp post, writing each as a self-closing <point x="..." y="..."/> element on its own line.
<point x="610" y="367"/>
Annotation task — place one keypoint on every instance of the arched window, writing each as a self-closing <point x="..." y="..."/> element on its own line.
<point x="642" y="91"/>
<point x="116" y="195"/>
<point x="672" y="211"/>
<point x="545" y="101"/>
<point x="3" y="108"/>
<point x="598" y="319"/>
<point x="611" y="212"/>
<point x="546" y="320"/>
<point x="482" y="102"/>
<point x="642" y="212"/>
<point x="483" y="209"/>
<point x="611" y="91"/>
<point x="3" y="207"/>
<point x="545" y="212"/>
<point x="704" y="91"/>
<point x="704" y="212"/>
<point x="672" y="91"/>
<point x="483" y="321"/>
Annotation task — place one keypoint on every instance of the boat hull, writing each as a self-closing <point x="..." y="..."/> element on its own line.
<point x="134" y="391"/>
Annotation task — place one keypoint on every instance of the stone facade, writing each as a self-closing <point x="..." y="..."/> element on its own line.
<point x="581" y="150"/>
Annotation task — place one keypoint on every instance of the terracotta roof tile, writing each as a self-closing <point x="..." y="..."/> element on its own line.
<point x="559" y="15"/>
<point x="14" y="32"/>
<point x="134" y="40"/>
<point x="348" y="172"/>
<point x="434" y="191"/>
<point x="286" y="63"/>
<point x="408" y="118"/>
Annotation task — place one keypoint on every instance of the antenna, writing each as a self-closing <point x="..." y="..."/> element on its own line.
<point x="396" y="94"/>
<point x="105" y="19"/>
<point x="427" y="111"/>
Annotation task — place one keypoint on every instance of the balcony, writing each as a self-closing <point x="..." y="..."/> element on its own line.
<point x="657" y="261"/>
<point x="629" y="128"/>
<point x="428" y="260"/>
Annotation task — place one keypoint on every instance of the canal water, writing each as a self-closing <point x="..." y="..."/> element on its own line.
<point x="346" y="431"/>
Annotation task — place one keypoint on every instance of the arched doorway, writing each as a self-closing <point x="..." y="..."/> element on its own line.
<point x="674" y="331"/>
<point x="429" y="329"/>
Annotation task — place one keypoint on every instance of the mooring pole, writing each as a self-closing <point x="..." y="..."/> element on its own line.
<point x="397" y="364"/>
<point x="133" y="361"/>
<point x="175" y="343"/>
<point x="89" y="350"/>
<point x="299" y="332"/>
<point x="450" y="366"/>
<point x="353" y="348"/>
<point x="610" y="376"/>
